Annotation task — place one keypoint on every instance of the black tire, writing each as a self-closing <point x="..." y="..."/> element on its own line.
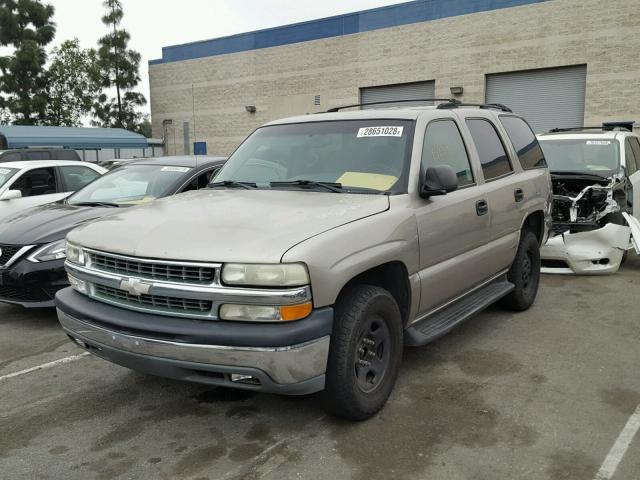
<point x="524" y="274"/>
<point x="367" y="329"/>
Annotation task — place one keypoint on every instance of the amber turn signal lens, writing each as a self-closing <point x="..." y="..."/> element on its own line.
<point x="289" y="313"/>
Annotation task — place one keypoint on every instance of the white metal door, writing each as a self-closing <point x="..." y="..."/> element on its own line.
<point x="403" y="91"/>
<point x="547" y="98"/>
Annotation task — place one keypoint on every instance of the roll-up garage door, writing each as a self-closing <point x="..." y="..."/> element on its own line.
<point x="547" y="98"/>
<point x="403" y="91"/>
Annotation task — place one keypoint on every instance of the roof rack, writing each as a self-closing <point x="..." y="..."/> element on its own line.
<point x="387" y="102"/>
<point x="493" y="106"/>
<point x="606" y="127"/>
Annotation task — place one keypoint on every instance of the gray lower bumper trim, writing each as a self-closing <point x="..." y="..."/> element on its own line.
<point x="285" y="365"/>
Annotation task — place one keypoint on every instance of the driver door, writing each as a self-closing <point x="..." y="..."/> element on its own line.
<point x="452" y="228"/>
<point x="38" y="186"/>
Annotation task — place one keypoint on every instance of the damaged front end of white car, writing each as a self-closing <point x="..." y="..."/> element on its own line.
<point x="591" y="233"/>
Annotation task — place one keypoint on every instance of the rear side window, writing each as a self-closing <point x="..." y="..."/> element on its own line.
<point x="201" y="181"/>
<point x="493" y="156"/>
<point x="524" y="141"/>
<point x="67" y="155"/>
<point x="37" y="155"/>
<point x="77" y="177"/>
<point x="443" y="145"/>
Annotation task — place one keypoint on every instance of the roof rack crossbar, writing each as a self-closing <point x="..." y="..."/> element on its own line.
<point x="493" y="106"/>
<point x="387" y="102"/>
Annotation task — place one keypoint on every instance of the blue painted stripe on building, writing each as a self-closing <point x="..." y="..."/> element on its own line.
<point x="374" y="19"/>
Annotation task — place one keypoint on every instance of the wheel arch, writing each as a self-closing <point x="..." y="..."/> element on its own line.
<point x="392" y="276"/>
<point x="535" y="222"/>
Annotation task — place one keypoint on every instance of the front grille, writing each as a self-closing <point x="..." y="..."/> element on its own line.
<point x="8" y="251"/>
<point x="198" y="275"/>
<point x="154" y="302"/>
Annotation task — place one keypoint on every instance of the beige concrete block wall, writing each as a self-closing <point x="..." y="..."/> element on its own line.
<point x="283" y="81"/>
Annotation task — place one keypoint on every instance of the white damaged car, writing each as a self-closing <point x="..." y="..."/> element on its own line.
<point x="596" y="185"/>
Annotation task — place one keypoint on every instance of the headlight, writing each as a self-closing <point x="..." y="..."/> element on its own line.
<point x="274" y="275"/>
<point x="75" y="254"/>
<point x="52" y="251"/>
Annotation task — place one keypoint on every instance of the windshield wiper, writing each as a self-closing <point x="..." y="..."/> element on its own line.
<point x="232" y="184"/>
<point x="96" y="204"/>
<point x="331" y="186"/>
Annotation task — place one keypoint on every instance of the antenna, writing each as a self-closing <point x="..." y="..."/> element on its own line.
<point x="193" y="107"/>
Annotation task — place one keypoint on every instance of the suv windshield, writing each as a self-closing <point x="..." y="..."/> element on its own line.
<point x="6" y="174"/>
<point x="130" y="185"/>
<point x="585" y="155"/>
<point x="358" y="156"/>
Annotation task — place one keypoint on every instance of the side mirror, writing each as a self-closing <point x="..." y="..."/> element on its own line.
<point x="438" y="180"/>
<point x="11" y="195"/>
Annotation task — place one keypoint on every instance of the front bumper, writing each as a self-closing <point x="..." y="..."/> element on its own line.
<point x="32" y="285"/>
<point x="595" y="252"/>
<point x="263" y="357"/>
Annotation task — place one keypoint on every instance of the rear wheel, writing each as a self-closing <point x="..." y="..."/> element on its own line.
<point x="365" y="352"/>
<point x="524" y="274"/>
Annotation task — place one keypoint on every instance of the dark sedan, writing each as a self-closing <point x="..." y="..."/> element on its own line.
<point x="32" y="242"/>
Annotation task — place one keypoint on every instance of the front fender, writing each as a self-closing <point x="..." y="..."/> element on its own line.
<point x="338" y="255"/>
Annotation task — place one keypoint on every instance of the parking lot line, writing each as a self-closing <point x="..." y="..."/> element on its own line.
<point x="619" y="449"/>
<point x="45" y="366"/>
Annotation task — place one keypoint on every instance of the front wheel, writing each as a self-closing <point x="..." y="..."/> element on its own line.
<point x="365" y="352"/>
<point x="524" y="274"/>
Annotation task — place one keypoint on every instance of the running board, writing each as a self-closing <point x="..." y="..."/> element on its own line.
<point x="446" y="319"/>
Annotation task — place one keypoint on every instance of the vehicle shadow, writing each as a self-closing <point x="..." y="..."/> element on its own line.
<point x="33" y="316"/>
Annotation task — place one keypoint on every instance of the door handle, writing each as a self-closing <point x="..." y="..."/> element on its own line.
<point x="519" y="195"/>
<point x="482" y="207"/>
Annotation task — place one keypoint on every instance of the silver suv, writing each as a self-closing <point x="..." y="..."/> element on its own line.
<point x="326" y="244"/>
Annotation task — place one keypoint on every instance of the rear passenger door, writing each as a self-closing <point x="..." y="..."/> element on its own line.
<point x="451" y="228"/>
<point x="505" y="194"/>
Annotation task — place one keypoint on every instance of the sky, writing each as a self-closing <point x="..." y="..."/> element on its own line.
<point x="154" y="24"/>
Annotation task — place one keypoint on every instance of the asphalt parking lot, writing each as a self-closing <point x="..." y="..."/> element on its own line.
<point x="540" y="395"/>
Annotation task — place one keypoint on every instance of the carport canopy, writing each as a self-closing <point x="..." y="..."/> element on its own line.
<point x="79" y="138"/>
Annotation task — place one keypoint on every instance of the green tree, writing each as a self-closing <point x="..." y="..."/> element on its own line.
<point x="117" y="68"/>
<point x="144" y="127"/>
<point x="26" y="26"/>
<point x="72" y="87"/>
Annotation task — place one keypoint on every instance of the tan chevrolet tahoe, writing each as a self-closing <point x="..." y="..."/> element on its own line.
<point x="326" y="244"/>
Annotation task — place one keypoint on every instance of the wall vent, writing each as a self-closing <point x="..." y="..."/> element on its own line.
<point x="316" y="101"/>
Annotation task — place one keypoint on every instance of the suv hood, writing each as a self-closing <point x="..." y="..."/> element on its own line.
<point x="250" y="226"/>
<point x="46" y="223"/>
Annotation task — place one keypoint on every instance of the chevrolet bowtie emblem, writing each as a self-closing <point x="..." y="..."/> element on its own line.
<point x="135" y="286"/>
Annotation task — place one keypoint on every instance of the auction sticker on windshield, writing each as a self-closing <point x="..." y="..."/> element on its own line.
<point x="176" y="169"/>
<point x="380" y="132"/>
<point x="4" y="171"/>
<point x="598" y="142"/>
